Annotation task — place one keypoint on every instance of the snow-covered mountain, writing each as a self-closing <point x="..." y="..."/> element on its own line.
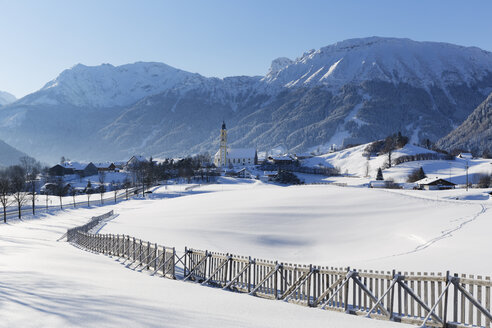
<point x="6" y="98"/>
<point x="419" y="64"/>
<point x="353" y="91"/>
<point x="474" y="134"/>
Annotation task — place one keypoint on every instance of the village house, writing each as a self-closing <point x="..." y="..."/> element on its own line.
<point x="105" y="167"/>
<point x="67" y="168"/>
<point x="434" y="184"/>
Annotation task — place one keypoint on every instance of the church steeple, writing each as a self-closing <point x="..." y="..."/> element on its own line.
<point x="223" y="145"/>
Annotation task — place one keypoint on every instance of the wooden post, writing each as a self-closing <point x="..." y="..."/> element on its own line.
<point x="249" y="274"/>
<point x="275" y="282"/>
<point x="174" y="264"/>
<point x="185" y="255"/>
<point x="487" y="300"/>
<point x="345" y="293"/>
<point x="455" y="302"/>
<point x="445" y="310"/>
<point x="392" y="297"/>
<point x="399" y="298"/>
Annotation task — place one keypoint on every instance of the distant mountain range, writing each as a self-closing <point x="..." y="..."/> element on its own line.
<point x="353" y="91"/>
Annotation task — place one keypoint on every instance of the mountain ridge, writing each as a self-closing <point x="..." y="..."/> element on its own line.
<point x="353" y="91"/>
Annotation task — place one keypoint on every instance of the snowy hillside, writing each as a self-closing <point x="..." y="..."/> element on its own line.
<point x="420" y="64"/>
<point x="352" y="161"/>
<point x="6" y="98"/>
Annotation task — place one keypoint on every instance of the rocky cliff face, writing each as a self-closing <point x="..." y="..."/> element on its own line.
<point x="353" y="91"/>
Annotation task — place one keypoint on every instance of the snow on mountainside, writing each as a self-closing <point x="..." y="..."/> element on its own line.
<point x="6" y="98"/>
<point x="420" y="64"/>
<point x="475" y="134"/>
<point x="110" y="86"/>
<point x="352" y="92"/>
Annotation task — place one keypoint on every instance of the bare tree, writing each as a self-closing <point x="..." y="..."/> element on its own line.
<point x="32" y="169"/>
<point x="126" y="184"/>
<point x="114" y="187"/>
<point x="5" y="194"/>
<point x="102" y="188"/>
<point x="61" y="190"/>
<point x="72" y="193"/>
<point x="18" y="184"/>
<point x="89" y="191"/>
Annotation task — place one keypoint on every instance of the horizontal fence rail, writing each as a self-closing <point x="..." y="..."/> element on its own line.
<point x="425" y="299"/>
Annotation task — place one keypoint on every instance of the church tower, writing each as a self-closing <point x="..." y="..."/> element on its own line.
<point x="223" y="145"/>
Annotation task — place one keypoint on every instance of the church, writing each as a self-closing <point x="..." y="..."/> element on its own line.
<point x="233" y="156"/>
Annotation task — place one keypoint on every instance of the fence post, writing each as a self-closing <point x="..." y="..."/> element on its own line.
<point x="174" y="263"/>
<point x="249" y="274"/>
<point x="345" y="294"/>
<point x="392" y="297"/>
<point x="455" y="301"/>
<point x="275" y="281"/>
<point x="185" y="255"/>
<point x="308" y="287"/>
<point x="445" y="313"/>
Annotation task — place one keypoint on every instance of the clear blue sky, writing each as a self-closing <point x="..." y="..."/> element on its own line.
<point x="39" y="39"/>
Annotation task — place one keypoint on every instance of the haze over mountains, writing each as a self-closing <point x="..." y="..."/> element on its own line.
<point x="353" y="91"/>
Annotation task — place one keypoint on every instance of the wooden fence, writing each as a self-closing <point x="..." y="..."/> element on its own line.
<point x="428" y="300"/>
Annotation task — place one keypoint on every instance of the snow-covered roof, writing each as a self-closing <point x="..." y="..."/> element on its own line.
<point x="138" y="158"/>
<point x="280" y="158"/>
<point x="241" y="153"/>
<point x="430" y="180"/>
<point x="75" y="165"/>
<point x="305" y="155"/>
<point x="103" y="165"/>
<point x="465" y="155"/>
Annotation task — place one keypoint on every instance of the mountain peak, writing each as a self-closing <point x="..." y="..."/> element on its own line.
<point x="279" y="64"/>
<point x="109" y="86"/>
<point x="6" y="98"/>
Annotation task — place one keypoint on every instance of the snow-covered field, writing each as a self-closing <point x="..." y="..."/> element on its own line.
<point x="48" y="283"/>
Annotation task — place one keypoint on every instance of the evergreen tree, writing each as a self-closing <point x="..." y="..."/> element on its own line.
<point x="380" y="175"/>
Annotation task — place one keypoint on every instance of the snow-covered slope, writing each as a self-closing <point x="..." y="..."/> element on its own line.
<point x="6" y="98"/>
<point x="475" y="133"/>
<point x="353" y="160"/>
<point x="420" y="64"/>
<point x="354" y="163"/>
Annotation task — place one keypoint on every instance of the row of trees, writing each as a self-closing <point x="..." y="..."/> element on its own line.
<point x="18" y="184"/>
